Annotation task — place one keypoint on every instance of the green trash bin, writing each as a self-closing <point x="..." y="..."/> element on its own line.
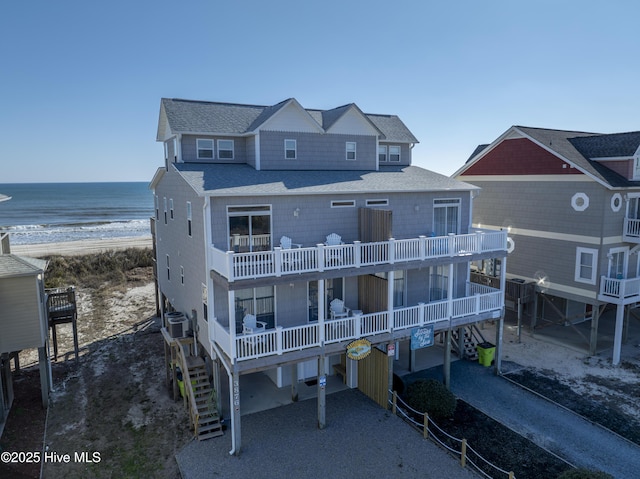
<point x="486" y="352"/>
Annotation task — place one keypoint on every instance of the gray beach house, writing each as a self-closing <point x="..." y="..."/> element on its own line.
<point x="302" y="244"/>
<point x="571" y="203"/>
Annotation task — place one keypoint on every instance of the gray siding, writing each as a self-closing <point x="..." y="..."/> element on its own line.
<point x="316" y="151"/>
<point x="184" y="250"/>
<point x="405" y="154"/>
<point x="316" y="218"/>
<point x="20" y="321"/>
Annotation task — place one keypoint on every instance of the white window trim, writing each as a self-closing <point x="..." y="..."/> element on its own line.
<point x="354" y="150"/>
<point x="386" y="153"/>
<point x="294" y="149"/>
<point x="189" y="220"/>
<point x="343" y="204"/>
<point x="377" y="202"/>
<point x="232" y="149"/>
<point x="594" y="265"/>
<point x="399" y="154"/>
<point x="171" y="215"/>
<point x="198" y="148"/>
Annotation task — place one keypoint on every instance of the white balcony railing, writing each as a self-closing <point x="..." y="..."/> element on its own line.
<point x="631" y="229"/>
<point x="279" y="262"/>
<point x="622" y="291"/>
<point x="281" y="340"/>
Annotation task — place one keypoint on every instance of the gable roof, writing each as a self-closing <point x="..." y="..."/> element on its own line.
<point x="574" y="147"/>
<point x="244" y="180"/>
<point x="232" y="119"/>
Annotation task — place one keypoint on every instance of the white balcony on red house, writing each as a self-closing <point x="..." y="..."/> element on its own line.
<point x="281" y="262"/>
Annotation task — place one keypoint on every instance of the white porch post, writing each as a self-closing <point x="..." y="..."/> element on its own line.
<point x="390" y="281"/>
<point x="232" y="323"/>
<point x="321" y="309"/>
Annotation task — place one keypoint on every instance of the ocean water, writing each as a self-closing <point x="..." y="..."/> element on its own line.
<point x="54" y="212"/>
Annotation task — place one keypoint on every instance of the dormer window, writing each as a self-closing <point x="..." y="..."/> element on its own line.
<point x="382" y="153"/>
<point x="225" y="149"/>
<point x="290" y="149"/>
<point x="394" y="153"/>
<point x="351" y="150"/>
<point x="205" y="149"/>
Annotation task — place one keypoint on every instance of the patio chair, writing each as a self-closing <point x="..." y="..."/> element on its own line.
<point x="338" y="310"/>
<point x="285" y="243"/>
<point x="251" y="326"/>
<point x="334" y="240"/>
<point x="334" y="255"/>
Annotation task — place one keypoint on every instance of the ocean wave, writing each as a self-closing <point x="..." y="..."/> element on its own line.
<point x="33" y="234"/>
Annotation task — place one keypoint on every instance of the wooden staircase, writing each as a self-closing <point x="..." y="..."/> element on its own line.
<point x="469" y="343"/>
<point x="205" y="419"/>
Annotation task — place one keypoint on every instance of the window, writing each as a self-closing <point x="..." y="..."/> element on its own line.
<point x="181" y="274"/>
<point x="382" y="153"/>
<point x="249" y="228"/>
<point x="351" y="150"/>
<point x="394" y="153"/>
<point x="175" y="149"/>
<point x="166" y="151"/>
<point x="225" y="149"/>
<point x="343" y="203"/>
<point x="446" y="216"/>
<point x="157" y="201"/>
<point x="189" y="218"/>
<point x="636" y="168"/>
<point x="205" y="149"/>
<point x="168" y="269"/>
<point x="333" y="288"/>
<point x="586" y="265"/>
<point x="165" y="210"/>
<point x="257" y="301"/>
<point x="171" y="208"/>
<point x="290" y="149"/>
<point x="384" y="202"/>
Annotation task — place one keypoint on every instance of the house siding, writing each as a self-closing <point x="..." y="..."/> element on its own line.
<point x="189" y="153"/>
<point x="316" y="151"/>
<point x="20" y="322"/>
<point x="405" y="154"/>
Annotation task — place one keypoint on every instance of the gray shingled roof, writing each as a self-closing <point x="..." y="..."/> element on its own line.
<point x="12" y="266"/>
<point x="566" y="144"/>
<point x="189" y="116"/>
<point x="242" y="180"/>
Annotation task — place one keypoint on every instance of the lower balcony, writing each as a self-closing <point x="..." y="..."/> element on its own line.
<point x="619" y="291"/>
<point x="483" y="300"/>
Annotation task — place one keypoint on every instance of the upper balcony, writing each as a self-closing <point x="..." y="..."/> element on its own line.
<point x="631" y="233"/>
<point x="281" y="262"/>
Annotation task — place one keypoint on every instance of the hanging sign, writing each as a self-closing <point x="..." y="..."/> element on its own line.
<point x="422" y="337"/>
<point x="358" y="349"/>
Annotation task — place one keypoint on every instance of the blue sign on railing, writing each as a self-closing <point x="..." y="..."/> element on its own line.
<point x="422" y="337"/>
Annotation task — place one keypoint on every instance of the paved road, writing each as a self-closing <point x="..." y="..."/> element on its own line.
<point x="361" y="440"/>
<point x="552" y="427"/>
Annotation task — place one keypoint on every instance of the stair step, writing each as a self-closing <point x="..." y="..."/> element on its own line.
<point x="209" y="435"/>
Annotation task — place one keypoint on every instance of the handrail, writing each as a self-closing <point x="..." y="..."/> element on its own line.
<point x="193" y="407"/>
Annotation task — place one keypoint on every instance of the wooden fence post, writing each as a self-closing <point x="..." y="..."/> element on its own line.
<point x="511" y="475"/>
<point x="463" y="453"/>
<point x="425" y="432"/>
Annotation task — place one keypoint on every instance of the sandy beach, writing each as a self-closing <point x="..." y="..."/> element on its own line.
<point x="81" y="246"/>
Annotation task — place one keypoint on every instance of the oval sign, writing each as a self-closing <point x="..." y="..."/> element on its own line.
<point x="358" y="349"/>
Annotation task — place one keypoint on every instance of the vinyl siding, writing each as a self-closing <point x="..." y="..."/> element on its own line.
<point x="20" y="320"/>
<point x="189" y="152"/>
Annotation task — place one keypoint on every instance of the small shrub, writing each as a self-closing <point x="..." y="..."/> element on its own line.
<point x="581" y="473"/>
<point x="432" y="397"/>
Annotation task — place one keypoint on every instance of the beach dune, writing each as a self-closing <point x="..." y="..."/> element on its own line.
<point x="81" y="246"/>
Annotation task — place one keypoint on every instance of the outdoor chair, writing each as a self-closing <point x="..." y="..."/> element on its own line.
<point x="251" y="326"/>
<point x="338" y="309"/>
<point x="285" y="243"/>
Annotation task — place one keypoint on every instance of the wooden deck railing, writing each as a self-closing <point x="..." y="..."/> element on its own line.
<point x="280" y="340"/>
<point x="279" y="262"/>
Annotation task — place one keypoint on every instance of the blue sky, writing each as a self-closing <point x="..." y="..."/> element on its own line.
<point x="81" y="82"/>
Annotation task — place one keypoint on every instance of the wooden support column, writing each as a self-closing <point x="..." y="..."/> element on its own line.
<point x="294" y="382"/>
<point x="43" y="361"/>
<point x="593" y="340"/>
<point x="498" y="357"/>
<point x="617" y="337"/>
<point x="322" y="393"/>
<point x="446" y="369"/>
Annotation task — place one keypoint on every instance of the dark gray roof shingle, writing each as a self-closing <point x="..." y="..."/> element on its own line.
<point x="243" y="180"/>
<point x="189" y="116"/>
